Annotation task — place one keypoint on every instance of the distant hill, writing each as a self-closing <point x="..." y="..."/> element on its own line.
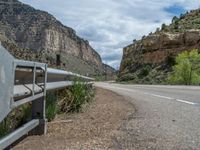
<point x="36" y="35"/>
<point x="150" y="59"/>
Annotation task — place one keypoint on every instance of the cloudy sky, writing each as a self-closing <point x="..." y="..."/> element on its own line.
<point x="109" y="25"/>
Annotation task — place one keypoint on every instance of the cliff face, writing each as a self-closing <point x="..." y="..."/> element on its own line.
<point x="41" y="33"/>
<point x="158" y="50"/>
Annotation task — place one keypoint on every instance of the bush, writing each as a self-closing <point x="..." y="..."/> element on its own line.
<point x="65" y="101"/>
<point x="170" y="60"/>
<point x="144" y="71"/>
<point x="82" y="94"/>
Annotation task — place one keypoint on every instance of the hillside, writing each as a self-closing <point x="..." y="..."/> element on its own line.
<point x="44" y="38"/>
<point x="150" y="59"/>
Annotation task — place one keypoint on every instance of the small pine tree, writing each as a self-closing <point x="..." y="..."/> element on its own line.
<point x="143" y="37"/>
<point x="175" y="19"/>
<point x="163" y="26"/>
<point x="182" y="16"/>
<point x="157" y="30"/>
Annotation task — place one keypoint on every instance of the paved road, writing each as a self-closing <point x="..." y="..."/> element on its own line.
<point x="167" y="117"/>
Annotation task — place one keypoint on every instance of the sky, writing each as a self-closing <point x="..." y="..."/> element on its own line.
<point x="110" y="25"/>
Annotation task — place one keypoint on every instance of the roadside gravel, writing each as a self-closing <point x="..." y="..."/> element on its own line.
<point x="98" y="127"/>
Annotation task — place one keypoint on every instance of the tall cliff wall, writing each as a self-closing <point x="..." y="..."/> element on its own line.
<point x="41" y="33"/>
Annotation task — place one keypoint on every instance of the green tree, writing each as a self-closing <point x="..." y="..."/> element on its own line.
<point x="163" y="26"/>
<point x="157" y="30"/>
<point x="175" y="22"/>
<point x="175" y="19"/>
<point x="182" y="16"/>
<point x="187" y="68"/>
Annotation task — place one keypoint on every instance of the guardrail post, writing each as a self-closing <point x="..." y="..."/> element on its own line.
<point x="38" y="112"/>
<point x="38" y="109"/>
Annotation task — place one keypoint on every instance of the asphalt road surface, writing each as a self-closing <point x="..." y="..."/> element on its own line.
<point x="166" y="117"/>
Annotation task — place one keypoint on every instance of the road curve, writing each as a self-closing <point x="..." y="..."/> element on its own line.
<point x="167" y="117"/>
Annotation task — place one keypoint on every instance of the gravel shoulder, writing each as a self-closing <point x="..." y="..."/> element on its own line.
<point x="97" y="127"/>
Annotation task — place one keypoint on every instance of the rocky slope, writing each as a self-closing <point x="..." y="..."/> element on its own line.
<point x="152" y="57"/>
<point x="41" y="34"/>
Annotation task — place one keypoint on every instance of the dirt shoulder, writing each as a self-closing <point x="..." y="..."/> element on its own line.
<point x="95" y="128"/>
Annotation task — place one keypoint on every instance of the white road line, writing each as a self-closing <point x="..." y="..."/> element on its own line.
<point x="155" y="95"/>
<point x="187" y="102"/>
<point x="160" y="96"/>
<point x="118" y="88"/>
<point x="170" y="98"/>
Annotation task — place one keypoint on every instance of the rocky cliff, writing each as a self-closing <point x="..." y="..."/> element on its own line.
<point x="41" y="34"/>
<point x="154" y="55"/>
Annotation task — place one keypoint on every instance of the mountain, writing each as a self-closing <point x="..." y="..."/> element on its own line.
<point x="150" y="59"/>
<point x="37" y="35"/>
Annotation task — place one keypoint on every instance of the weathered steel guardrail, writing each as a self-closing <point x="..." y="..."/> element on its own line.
<point x="24" y="81"/>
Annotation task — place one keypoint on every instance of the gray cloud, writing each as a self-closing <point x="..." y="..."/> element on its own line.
<point x="109" y="25"/>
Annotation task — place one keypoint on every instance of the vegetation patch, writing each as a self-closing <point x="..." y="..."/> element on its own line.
<point x="71" y="99"/>
<point x="127" y="77"/>
<point x="182" y="70"/>
<point x="15" y="119"/>
<point x="187" y="69"/>
<point x="51" y="105"/>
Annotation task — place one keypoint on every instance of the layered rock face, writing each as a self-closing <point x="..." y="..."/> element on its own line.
<point x="41" y="33"/>
<point x="158" y="50"/>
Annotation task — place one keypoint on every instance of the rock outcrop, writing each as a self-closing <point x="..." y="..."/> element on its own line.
<point x="42" y="34"/>
<point x="158" y="50"/>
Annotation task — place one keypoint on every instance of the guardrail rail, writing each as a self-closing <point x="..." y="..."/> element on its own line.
<point x="22" y="82"/>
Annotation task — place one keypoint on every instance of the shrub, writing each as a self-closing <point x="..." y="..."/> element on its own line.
<point x="66" y="100"/>
<point x="144" y="71"/>
<point x="170" y="60"/>
<point x="82" y="94"/>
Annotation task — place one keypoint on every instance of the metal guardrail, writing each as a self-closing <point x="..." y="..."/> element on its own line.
<point x="25" y="81"/>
